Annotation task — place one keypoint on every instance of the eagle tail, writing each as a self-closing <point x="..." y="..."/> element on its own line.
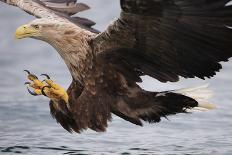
<point x="201" y="94"/>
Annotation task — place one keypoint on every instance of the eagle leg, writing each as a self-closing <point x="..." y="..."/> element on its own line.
<point x="54" y="91"/>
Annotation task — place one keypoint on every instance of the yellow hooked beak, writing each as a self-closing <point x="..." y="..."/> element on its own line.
<point x="25" y="31"/>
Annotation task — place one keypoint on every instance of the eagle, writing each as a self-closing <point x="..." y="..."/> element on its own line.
<point x="163" y="39"/>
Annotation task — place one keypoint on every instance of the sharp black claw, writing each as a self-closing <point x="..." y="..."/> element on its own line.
<point x="26" y="83"/>
<point x="27" y="71"/>
<point x="32" y="93"/>
<point x="42" y="90"/>
<point x="47" y="76"/>
<point x="35" y="76"/>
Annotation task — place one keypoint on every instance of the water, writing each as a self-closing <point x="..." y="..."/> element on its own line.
<point x="27" y="128"/>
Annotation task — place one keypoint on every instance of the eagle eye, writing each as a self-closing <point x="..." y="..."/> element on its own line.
<point x="35" y="26"/>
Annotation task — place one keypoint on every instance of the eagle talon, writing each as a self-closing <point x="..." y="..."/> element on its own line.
<point x="28" y="72"/>
<point x="32" y="93"/>
<point x="47" y="76"/>
<point x="35" y="83"/>
<point x="27" y="83"/>
<point x="30" y="76"/>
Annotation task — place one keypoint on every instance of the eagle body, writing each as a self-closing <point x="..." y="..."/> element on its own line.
<point x="100" y="89"/>
<point x="164" y="39"/>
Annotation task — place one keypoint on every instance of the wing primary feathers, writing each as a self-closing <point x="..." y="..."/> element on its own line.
<point x="172" y="38"/>
<point x="70" y="9"/>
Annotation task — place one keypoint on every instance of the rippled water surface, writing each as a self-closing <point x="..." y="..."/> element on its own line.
<point x="27" y="128"/>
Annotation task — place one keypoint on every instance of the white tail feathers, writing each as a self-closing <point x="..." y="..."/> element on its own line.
<point x="201" y="94"/>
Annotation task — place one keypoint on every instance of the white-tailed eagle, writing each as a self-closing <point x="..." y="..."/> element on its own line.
<point x="164" y="39"/>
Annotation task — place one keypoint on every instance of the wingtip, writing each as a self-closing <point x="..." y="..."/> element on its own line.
<point x="82" y="7"/>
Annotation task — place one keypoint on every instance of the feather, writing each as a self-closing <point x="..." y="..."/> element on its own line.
<point x="171" y="38"/>
<point x="70" y="9"/>
<point x="60" y="10"/>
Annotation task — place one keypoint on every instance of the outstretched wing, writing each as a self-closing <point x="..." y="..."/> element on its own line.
<point x="55" y="9"/>
<point x="166" y="39"/>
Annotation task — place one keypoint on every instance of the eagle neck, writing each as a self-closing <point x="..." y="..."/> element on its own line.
<point x="75" y="50"/>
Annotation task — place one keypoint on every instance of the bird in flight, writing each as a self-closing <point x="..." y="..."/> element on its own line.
<point x="164" y="39"/>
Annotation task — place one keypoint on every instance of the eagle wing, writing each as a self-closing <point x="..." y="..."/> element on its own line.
<point x="61" y="10"/>
<point x="166" y="39"/>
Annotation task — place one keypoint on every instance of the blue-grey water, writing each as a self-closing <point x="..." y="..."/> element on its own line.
<point x="27" y="128"/>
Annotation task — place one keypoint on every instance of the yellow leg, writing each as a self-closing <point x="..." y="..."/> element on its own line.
<point x="61" y="93"/>
<point x="55" y="94"/>
<point x="47" y="88"/>
<point x="55" y="91"/>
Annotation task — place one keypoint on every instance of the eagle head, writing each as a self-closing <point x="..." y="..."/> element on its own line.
<point x="42" y="29"/>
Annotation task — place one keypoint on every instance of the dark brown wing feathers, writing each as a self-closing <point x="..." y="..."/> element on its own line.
<point x="175" y="37"/>
<point x="67" y="8"/>
<point x="150" y="106"/>
<point x="64" y="119"/>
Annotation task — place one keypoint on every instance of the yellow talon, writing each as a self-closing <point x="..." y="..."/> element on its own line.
<point x="36" y="84"/>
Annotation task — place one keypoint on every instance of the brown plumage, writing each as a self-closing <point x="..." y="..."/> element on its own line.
<point x="164" y="39"/>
